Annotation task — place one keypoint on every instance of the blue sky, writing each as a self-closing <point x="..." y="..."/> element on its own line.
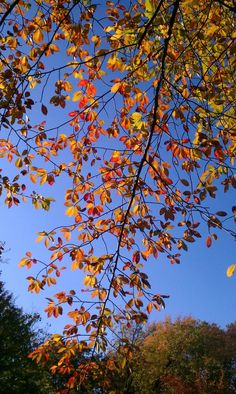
<point x="197" y="287"/>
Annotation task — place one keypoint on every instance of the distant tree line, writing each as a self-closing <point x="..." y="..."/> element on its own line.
<point x="184" y="356"/>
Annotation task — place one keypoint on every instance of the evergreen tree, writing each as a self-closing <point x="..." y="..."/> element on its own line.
<point x="19" y="374"/>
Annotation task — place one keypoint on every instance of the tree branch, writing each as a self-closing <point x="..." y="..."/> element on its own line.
<point x="150" y="23"/>
<point x="12" y="6"/>
<point x="144" y="158"/>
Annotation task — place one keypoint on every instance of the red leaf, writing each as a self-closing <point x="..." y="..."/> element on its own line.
<point x="72" y="114"/>
<point x="83" y="102"/>
<point x="83" y="82"/>
<point x="91" y="90"/>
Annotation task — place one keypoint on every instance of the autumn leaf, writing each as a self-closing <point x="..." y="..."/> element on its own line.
<point x="230" y="270"/>
<point x="44" y="109"/>
<point x="115" y="87"/>
<point x="23" y="262"/>
<point x="150" y="8"/>
<point x="91" y="90"/>
<point x="33" y="178"/>
<point x="38" y="36"/>
<point x="71" y="211"/>
<point x="208" y="241"/>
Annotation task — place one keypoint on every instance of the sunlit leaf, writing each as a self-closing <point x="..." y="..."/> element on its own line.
<point x="230" y="270"/>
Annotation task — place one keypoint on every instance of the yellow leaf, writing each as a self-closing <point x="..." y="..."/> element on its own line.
<point x="77" y="96"/>
<point x="87" y="280"/>
<point x="38" y="36"/>
<point x="37" y="204"/>
<point x="19" y="163"/>
<point x="56" y="337"/>
<point x="230" y="270"/>
<point x="77" y="74"/>
<point x="33" y="82"/>
<point x="212" y="30"/>
<point x="90" y="280"/>
<point x="71" y="211"/>
<point x="115" y="157"/>
<point x="108" y="29"/>
<point x="43" y="179"/>
<point x="136" y="117"/>
<point x="24" y="61"/>
<point x="67" y="86"/>
<point x="150" y="8"/>
<point x="23" y="262"/>
<point x="115" y="87"/>
<point x="74" y="265"/>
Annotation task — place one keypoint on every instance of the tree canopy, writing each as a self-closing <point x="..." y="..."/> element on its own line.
<point x="130" y="107"/>
<point x="185" y="356"/>
<point x="19" y="337"/>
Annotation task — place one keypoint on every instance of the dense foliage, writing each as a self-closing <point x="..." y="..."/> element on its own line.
<point x="129" y="107"/>
<point x="18" y="337"/>
<point x="185" y="356"/>
<point x="170" y="357"/>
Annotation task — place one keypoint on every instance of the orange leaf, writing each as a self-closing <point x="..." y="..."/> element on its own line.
<point x="149" y="307"/>
<point x="33" y="178"/>
<point x="208" y="241"/>
<point x="38" y="36"/>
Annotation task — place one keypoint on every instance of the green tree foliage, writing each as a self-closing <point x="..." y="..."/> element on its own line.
<point x="18" y="374"/>
<point x="185" y="356"/>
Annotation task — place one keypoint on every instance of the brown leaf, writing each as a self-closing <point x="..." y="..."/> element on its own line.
<point x="44" y="109"/>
